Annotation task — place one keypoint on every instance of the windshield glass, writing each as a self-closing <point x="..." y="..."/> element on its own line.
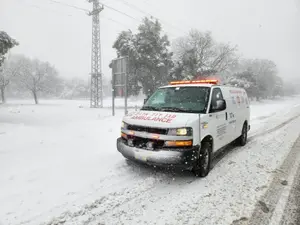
<point x="179" y="99"/>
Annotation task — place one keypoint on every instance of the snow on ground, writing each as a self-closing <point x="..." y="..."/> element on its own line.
<point x="58" y="162"/>
<point x="107" y="102"/>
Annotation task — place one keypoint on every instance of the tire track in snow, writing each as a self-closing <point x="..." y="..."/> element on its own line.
<point x="87" y="213"/>
<point x="127" y="171"/>
<point x="107" y="203"/>
<point x="270" y="130"/>
<point x="145" y="179"/>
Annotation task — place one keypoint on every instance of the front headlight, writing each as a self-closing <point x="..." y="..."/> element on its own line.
<point x="124" y="125"/>
<point x="185" y="131"/>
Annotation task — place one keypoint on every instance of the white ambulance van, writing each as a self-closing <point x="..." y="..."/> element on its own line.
<point x="184" y="125"/>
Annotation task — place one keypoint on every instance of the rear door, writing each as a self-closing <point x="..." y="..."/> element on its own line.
<point x="218" y="120"/>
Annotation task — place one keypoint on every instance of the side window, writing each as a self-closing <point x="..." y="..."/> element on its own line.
<point x="216" y="95"/>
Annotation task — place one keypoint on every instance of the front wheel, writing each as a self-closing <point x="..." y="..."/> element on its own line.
<point x="244" y="136"/>
<point x="202" y="167"/>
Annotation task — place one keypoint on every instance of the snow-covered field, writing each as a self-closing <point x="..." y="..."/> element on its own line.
<point x="59" y="165"/>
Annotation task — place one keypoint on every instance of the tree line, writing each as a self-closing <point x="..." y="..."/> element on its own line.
<point x="153" y="60"/>
<point x="21" y="76"/>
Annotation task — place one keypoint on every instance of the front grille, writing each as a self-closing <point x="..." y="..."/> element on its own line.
<point x="148" y="129"/>
<point x="142" y="142"/>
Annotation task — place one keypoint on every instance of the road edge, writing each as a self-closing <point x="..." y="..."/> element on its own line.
<point x="268" y="209"/>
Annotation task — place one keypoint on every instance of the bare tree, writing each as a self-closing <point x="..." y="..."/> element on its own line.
<point x="4" y="81"/>
<point x="8" y="71"/>
<point x="199" y="54"/>
<point x="36" y="76"/>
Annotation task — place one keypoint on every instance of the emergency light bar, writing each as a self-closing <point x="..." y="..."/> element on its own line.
<point x="194" y="82"/>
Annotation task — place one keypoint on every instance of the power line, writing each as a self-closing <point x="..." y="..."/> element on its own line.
<point x="135" y="7"/>
<point x="64" y="14"/>
<point x="43" y="9"/>
<point x="87" y="11"/>
<point x="118" y="11"/>
<point x="123" y="13"/>
<point x="157" y="8"/>
<point x="68" y="5"/>
<point x="146" y="13"/>
<point x="115" y="21"/>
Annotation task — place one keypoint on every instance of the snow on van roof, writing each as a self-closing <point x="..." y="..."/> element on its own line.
<point x="201" y="82"/>
<point x="189" y="85"/>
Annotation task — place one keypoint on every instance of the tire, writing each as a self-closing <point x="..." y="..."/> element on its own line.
<point x="242" y="140"/>
<point x="203" y="164"/>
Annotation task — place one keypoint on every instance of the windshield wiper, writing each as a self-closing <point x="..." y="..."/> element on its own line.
<point x="175" y="109"/>
<point x="150" y="108"/>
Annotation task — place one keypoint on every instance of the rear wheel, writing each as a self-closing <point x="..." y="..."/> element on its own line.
<point x="244" y="136"/>
<point x="202" y="167"/>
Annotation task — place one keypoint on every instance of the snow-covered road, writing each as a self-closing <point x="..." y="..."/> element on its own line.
<point x="59" y="165"/>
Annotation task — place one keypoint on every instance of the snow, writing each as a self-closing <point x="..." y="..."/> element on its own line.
<point x="58" y="162"/>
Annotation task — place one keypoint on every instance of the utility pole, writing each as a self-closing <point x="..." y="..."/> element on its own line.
<point x="96" y="89"/>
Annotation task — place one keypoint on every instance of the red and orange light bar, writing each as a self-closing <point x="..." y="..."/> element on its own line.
<point x="194" y="82"/>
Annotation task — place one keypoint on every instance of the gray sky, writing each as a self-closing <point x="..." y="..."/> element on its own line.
<point x="62" y="35"/>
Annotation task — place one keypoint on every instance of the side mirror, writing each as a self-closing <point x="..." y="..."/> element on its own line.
<point x="221" y="105"/>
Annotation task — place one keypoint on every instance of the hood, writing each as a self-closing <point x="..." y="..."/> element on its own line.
<point x="159" y="119"/>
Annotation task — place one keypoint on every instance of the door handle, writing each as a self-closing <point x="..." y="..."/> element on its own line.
<point x="226" y="116"/>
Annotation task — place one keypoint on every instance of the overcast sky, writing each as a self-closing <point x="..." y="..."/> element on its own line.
<point x="62" y="35"/>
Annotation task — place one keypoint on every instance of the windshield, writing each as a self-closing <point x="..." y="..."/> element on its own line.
<point x="179" y="99"/>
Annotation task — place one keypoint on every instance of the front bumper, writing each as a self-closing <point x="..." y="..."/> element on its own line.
<point x="179" y="158"/>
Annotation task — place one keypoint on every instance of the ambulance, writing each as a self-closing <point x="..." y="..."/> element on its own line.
<point x="185" y="124"/>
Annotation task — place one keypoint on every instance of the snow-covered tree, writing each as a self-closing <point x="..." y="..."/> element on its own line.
<point x="245" y="80"/>
<point x="263" y="75"/>
<point x="198" y="54"/>
<point x="126" y="46"/>
<point x="6" y="43"/>
<point x="149" y="57"/>
<point x="266" y="72"/>
<point x="278" y="89"/>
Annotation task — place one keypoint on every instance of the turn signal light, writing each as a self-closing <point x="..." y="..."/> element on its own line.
<point x="179" y="143"/>
<point x="123" y="135"/>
